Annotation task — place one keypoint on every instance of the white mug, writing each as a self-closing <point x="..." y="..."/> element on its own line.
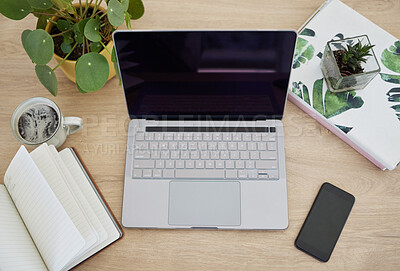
<point x="39" y="120"/>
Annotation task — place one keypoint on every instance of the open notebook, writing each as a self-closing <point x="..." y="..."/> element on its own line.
<point x="51" y="215"/>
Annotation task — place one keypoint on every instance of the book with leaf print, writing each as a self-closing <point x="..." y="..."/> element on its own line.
<point x="366" y="119"/>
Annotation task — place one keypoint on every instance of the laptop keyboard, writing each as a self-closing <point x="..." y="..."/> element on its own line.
<point x="198" y="153"/>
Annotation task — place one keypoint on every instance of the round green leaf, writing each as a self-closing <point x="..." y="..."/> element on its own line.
<point x="39" y="46"/>
<point x="24" y="35"/>
<point x="136" y="9"/>
<point x="95" y="47"/>
<point x="15" y="9"/>
<point x="40" y="4"/>
<point x="91" y="72"/>
<point x="66" y="48"/>
<point x="82" y="24"/>
<point x="47" y="78"/>
<point x="91" y="31"/>
<point x="115" y="13"/>
<point x="75" y="28"/>
<point x="62" y="4"/>
<point x="63" y="25"/>
<point x="78" y="38"/>
<point x="41" y="22"/>
<point x="67" y="38"/>
<point x="125" y="5"/>
<point x="80" y="89"/>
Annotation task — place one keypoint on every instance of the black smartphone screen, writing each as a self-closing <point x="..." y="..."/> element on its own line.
<point x="324" y="222"/>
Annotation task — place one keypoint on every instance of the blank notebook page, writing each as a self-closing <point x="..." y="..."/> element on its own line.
<point x="17" y="250"/>
<point x="93" y="199"/>
<point x="81" y="198"/>
<point x="47" y="166"/>
<point x="55" y="235"/>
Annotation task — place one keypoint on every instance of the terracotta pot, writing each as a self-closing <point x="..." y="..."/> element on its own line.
<point x="68" y="67"/>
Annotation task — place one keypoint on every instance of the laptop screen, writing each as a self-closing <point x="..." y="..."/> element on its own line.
<point x="205" y="75"/>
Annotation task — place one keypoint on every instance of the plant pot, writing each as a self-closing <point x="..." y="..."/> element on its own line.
<point x="335" y="80"/>
<point x="68" y="67"/>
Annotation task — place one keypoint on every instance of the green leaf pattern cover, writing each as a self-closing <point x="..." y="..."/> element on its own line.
<point x="304" y="52"/>
<point x="369" y="119"/>
<point x="332" y="104"/>
<point x="325" y="102"/>
<point x="391" y="59"/>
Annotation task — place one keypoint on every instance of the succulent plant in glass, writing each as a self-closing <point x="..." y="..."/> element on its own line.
<point x="78" y="34"/>
<point x="349" y="64"/>
<point x="350" y="58"/>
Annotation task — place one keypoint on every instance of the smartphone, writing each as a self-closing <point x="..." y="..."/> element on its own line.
<point x="324" y="222"/>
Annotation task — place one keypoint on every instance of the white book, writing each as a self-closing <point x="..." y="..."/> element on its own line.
<point x="52" y="217"/>
<point x="367" y="119"/>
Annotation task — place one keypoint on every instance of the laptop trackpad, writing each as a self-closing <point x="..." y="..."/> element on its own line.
<point x="197" y="203"/>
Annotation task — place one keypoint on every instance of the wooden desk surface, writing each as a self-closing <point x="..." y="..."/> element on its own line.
<point x="371" y="237"/>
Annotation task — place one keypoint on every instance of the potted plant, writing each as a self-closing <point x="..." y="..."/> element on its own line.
<point x="349" y="64"/>
<point x="78" y="35"/>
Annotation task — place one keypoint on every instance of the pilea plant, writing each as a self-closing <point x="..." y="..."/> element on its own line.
<point x="79" y="32"/>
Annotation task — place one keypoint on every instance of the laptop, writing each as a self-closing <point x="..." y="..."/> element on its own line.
<point x="205" y="142"/>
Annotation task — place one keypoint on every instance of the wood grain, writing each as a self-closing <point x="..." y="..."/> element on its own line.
<point x="371" y="237"/>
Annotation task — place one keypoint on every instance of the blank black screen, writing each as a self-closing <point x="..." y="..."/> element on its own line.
<point x="205" y="74"/>
<point x="325" y="222"/>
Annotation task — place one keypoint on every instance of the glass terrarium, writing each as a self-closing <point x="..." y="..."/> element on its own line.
<point x="338" y="80"/>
